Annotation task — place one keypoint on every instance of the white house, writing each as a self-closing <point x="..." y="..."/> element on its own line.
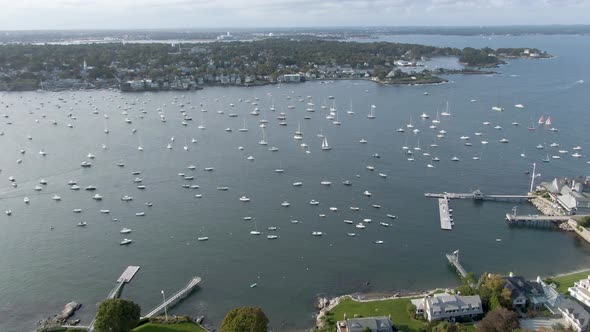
<point x="581" y="291"/>
<point x="447" y="306"/>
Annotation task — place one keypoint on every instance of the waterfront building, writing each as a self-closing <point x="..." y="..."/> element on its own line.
<point x="448" y="307"/>
<point x="581" y="291"/>
<point x="374" y="324"/>
<point x="293" y="78"/>
<point x="571" y="194"/>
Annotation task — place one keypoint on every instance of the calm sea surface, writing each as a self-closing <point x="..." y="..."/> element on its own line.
<point x="42" y="269"/>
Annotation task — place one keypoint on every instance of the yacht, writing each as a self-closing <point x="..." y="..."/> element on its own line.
<point x="326" y="183"/>
<point x="576" y="155"/>
<point x="363" y="141"/>
<point x="503" y="140"/>
<point x="97" y="197"/>
<point x="384" y="224"/>
<point x="81" y="224"/>
<point x="348" y="221"/>
<point x="379" y="242"/>
<point x="56" y="197"/>
<point x="540" y="146"/>
<point x="75" y="187"/>
<point x="367" y="193"/>
<point x="360" y="226"/>
<point x="285" y="204"/>
<point x="355" y="208"/>
<point x="272" y="237"/>
<point x="126" y="241"/>
<point x="435" y="159"/>
<point x="455" y="159"/>
<point x="577" y="148"/>
<point x="140" y="214"/>
<point x="554" y="145"/>
<point x="317" y="233"/>
<point x="297" y="184"/>
<point x="250" y="158"/>
<point x="126" y="198"/>
<point x="383" y="175"/>
<point x="90" y="188"/>
<point x="8" y="212"/>
<point x="370" y="168"/>
<point x="244" y="199"/>
<point x="223" y="188"/>
<point x="209" y="169"/>
<point x="347" y="183"/>
<point x="314" y="202"/>
<point x="26" y="200"/>
<point x="333" y="208"/>
<point x="424" y="116"/>
<point x="77" y="210"/>
<point x="125" y="231"/>
<point x="203" y="238"/>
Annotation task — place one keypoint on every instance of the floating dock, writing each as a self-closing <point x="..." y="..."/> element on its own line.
<point x="445" y="214"/>
<point x="128" y="274"/>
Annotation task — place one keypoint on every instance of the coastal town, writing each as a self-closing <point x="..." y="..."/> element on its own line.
<point x="183" y="66"/>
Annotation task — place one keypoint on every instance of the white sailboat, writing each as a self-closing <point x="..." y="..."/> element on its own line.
<point x="263" y="140"/>
<point x="371" y="114"/>
<point x="244" y="128"/>
<point x="325" y="145"/>
<point x="447" y="111"/>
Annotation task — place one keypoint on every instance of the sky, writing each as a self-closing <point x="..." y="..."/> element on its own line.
<point x="139" y="14"/>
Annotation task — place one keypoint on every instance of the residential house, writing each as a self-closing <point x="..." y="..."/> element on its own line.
<point x="581" y="291"/>
<point x="523" y="290"/>
<point x="560" y="306"/>
<point x="374" y="324"/>
<point x="447" y="306"/>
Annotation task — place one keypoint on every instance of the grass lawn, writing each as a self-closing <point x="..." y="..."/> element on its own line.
<point x="182" y="327"/>
<point x="566" y="281"/>
<point x="396" y="308"/>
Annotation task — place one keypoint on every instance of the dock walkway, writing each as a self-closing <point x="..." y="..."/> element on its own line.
<point x="454" y="260"/>
<point x="194" y="282"/>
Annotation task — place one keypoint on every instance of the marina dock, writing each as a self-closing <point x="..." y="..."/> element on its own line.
<point x="533" y="218"/>
<point x="445" y="214"/>
<point x="125" y="278"/>
<point x="179" y="295"/>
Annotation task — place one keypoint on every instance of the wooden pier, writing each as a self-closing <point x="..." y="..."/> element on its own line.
<point x="454" y="261"/>
<point x="125" y="278"/>
<point x="445" y="214"/>
<point x="182" y="293"/>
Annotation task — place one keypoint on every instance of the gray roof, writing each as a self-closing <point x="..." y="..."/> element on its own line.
<point x="376" y="324"/>
<point x="519" y="286"/>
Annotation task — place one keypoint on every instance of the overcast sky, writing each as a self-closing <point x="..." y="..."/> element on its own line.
<point x="115" y="14"/>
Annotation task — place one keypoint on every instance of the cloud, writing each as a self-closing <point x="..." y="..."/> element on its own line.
<point x="74" y="14"/>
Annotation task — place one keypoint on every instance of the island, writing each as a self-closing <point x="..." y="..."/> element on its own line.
<point x="186" y="66"/>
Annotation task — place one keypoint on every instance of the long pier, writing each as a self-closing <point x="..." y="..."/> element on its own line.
<point x="477" y="195"/>
<point x="527" y="218"/>
<point x="454" y="260"/>
<point x="445" y="214"/>
<point x="179" y="295"/>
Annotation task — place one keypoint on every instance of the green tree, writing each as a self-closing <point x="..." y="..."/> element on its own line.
<point x="117" y="315"/>
<point x="245" y="319"/>
<point x="499" y="320"/>
<point x="445" y="326"/>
